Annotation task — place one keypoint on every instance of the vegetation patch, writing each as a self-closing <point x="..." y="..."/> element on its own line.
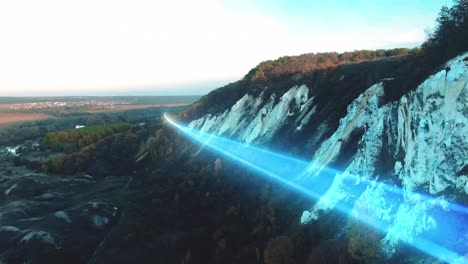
<point x="74" y="139"/>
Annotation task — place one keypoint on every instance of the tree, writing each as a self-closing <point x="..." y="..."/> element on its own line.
<point x="161" y="145"/>
<point x="279" y="251"/>
<point x="450" y="36"/>
<point x="218" y="165"/>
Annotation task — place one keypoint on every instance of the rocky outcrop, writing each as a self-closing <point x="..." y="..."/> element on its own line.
<point x="418" y="142"/>
<point x="258" y="119"/>
<point x="301" y="109"/>
<point x="423" y="136"/>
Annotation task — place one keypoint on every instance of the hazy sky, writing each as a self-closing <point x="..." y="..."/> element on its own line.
<point x="64" y="47"/>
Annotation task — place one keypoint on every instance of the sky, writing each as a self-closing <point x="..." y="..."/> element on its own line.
<point x="171" y="47"/>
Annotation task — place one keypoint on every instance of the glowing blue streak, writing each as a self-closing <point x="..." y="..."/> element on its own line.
<point x="452" y="220"/>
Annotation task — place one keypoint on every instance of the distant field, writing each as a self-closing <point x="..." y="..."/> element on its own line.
<point x="129" y="107"/>
<point x="25" y="109"/>
<point x="10" y="118"/>
<point x="58" y="106"/>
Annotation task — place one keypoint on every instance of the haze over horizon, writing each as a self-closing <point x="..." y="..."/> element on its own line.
<point x="180" y="47"/>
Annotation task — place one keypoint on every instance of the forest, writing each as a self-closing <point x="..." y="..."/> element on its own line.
<point x="312" y="61"/>
<point x="74" y="139"/>
<point x="448" y="39"/>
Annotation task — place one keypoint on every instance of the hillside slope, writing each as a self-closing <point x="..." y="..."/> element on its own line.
<point x="375" y="119"/>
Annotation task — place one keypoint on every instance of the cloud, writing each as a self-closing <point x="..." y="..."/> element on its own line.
<point x="92" y="44"/>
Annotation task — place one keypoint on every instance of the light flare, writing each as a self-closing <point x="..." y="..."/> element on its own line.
<point x="446" y="238"/>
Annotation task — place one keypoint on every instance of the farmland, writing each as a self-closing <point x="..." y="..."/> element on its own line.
<point x="23" y="109"/>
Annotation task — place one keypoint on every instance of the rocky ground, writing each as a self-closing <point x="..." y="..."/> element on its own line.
<point x="47" y="218"/>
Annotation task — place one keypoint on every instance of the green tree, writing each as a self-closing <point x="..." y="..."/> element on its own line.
<point x="450" y="36"/>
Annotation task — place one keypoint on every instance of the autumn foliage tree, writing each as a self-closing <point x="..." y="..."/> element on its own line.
<point x="311" y="61"/>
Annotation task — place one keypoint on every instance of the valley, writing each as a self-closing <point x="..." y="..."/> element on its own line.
<point x="89" y="184"/>
<point x="321" y="157"/>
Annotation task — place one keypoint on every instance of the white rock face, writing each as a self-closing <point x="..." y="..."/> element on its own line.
<point x="13" y="150"/>
<point x="428" y="129"/>
<point x="99" y="222"/>
<point x="40" y="236"/>
<point x="364" y="112"/>
<point x="432" y="130"/>
<point x="7" y="192"/>
<point x="9" y="229"/>
<point x="63" y="215"/>
<point x="258" y="119"/>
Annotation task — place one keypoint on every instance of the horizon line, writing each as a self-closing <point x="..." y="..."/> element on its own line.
<point x="48" y="96"/>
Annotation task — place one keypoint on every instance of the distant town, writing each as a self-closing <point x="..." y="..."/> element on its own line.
<point x="41" y="105"/>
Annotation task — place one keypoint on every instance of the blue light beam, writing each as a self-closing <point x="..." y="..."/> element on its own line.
<point x="448" y="241"/>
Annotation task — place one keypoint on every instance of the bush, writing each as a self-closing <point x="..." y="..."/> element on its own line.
<point x="364" y="242"/>
<point x="279" y="251"/>
<point x="161" y="145"/>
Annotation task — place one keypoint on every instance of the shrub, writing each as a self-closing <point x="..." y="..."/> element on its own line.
<point x="363" y="243"/>
<point x="279" y="251"/>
